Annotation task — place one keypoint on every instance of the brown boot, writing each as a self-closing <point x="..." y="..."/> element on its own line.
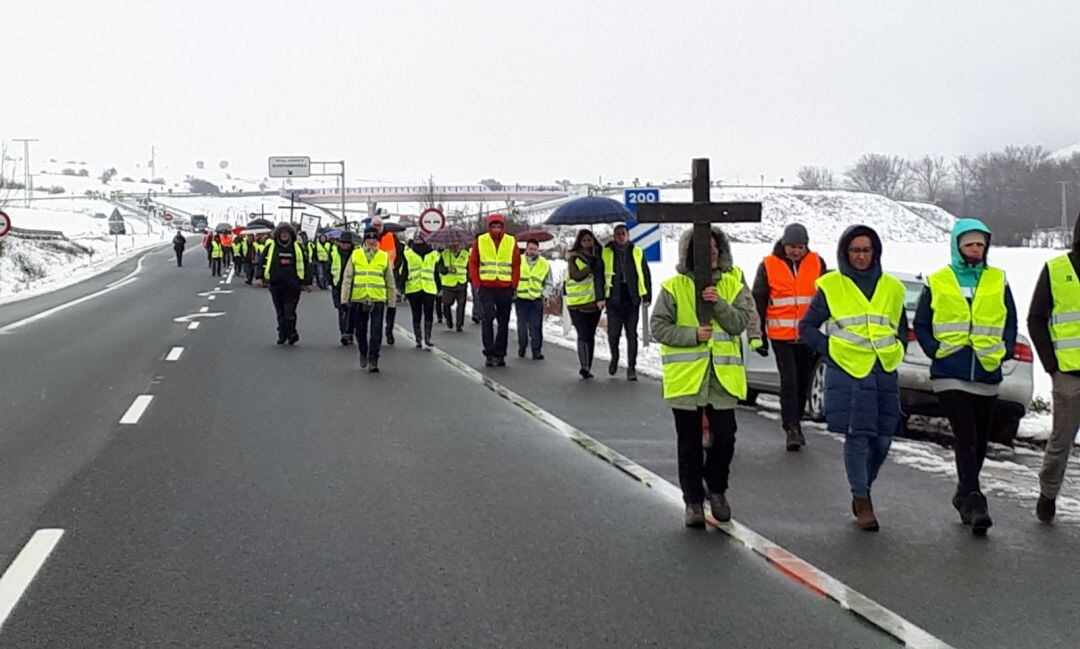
<point x="793" y="443"/>
<point x="864" y="514"/>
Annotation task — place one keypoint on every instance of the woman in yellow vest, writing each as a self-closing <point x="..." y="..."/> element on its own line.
<point x="966" y="323"/>
<point x="583" y="290"/>
<point x="703" y="371"/>
<point x="867" y="335"/>
<point x="421" y="287"/>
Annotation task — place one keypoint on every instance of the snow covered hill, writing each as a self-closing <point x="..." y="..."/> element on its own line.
<point x="1066" y="153"/>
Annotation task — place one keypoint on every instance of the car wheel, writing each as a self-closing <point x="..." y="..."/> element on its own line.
<point x="815" y="401"/>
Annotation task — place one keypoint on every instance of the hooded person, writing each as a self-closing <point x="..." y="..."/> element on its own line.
<point x="965" y="321"/>
<point x="421" y="286"/>
<point x="179" y="242"/>
<point x="704" y="376"/>
<point x="866" y="340"/>
<point x="783" y="288"/>
<point x="284" y="270"/>
<point x="339" y="256"/>
<point x="1053" y="322"/>
<point x="494" y="269"/>
<point x="453" y="271"/>
<point x="368" y="287"/>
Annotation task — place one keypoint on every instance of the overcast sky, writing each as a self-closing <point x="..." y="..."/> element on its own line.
<point x="537" y="91"/>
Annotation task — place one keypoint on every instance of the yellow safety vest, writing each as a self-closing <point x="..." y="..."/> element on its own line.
<point x="216" y="251"/>
<point x="531" y="279"/>
<point x="496" y="265"/>
<point x="979" y="325"/>
<point x="322" y="250"/>
<point x="369" y="277"/>
<point x="457" y="268"/>
<point x="686" y="367"/>
<point x="421" y="272"/>
<point x="579" y="292"/>
<point x="863" y="331"/>
<point x="298" y="254"/>
<point x="608" y="256"/>
<point x="1065" y="318"/>
<point x="335" y="264"/>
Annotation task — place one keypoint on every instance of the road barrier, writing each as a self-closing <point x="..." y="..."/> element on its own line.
<point x="40" y="235"/>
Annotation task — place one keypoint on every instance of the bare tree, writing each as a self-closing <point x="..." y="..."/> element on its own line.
<point x="815" y="178"/>
<point x="930" y="176"/>
<point x="880" y="174"/>
<point x="963" y="171"/>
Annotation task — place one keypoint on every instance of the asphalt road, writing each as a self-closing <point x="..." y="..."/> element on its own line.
<point x="278" y="496"/>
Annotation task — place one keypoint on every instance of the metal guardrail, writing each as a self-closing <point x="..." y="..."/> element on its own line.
<point x="41" y="235"/>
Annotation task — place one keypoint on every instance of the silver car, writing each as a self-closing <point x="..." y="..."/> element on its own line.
<point x="916" y="394"/>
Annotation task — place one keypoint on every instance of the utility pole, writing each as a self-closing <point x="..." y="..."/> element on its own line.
<point x="28" y="187"/>
<point x="153" y="169"/>
<point x="1065" y="239"/>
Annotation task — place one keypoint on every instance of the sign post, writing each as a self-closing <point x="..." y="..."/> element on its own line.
<point x="5" y="224"/>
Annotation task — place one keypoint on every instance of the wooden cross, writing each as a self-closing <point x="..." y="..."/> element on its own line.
<point x="701" y="213"/>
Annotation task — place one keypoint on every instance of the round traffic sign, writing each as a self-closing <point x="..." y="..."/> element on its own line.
<point x="167" y="217"/>
<point x="432" y="220"/>
<point x="5" y="224"/>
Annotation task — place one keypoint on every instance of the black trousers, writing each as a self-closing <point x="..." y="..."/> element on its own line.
<point x="623" y="316"/>
<point x="367" y="320"/>
<point x="391" y="316"/>
<point x="695" y="461"/>
<point x="228" y="257"/>
<point x="970" y="417"/>
<point x="422" y="304"/>
<point x="344" y="313"/>
<point x="795" y="364"/>
<point x="451" y="297"/>
<point x="286" y="297"/>
<point x="495" y="307"/>
<point x="215" y="267"/>
<point x="585" y="323"/>
<point x="179" y="256"/>
<point x="439" y="306"/>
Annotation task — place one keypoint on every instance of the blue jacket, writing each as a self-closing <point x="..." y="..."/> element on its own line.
<point x="963" y="364"/>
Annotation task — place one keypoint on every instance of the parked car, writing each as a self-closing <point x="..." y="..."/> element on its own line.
<point x="916" y="393"/>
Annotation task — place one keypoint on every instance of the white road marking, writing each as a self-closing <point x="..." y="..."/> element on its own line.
<point x="811" y="576"/>
<point x="174" y="354"/>
<point x="229" y="276"/>
<point x="193" y="325"/>
<point x="204" y="309"/>
<point x="137" y="408"/>
<point x="196" y="316"/>
<point x="22" y="571"/>
<point x="138" y="269"/>
<point x="211" y="297"/>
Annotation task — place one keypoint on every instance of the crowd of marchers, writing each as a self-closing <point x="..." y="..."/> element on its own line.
<point x="853" y="317"/>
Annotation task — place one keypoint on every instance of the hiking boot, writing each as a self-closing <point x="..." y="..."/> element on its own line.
<point x="694" y="516"/>
<point x="980" y="515"/>
<point x="1045" y="509"/>
<point x="373" y="367"/>
<point x="631" y="374"/>
<point x="294" y="338"/>
<point x="864" y="514"/>
<point x="613" y="366"/>
<point x="793" y="443"/>
<point x="962" y="507"/>
<point x="721" y="510"/>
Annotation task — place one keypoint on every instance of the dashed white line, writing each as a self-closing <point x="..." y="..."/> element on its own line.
<point x="22" y="571"/>
<point x="193" y="325"/>
<point x="138" y="407"/>
<point x="211" y="298"/>
<point x="204" y="309"/>
<point x="174" y="354"/>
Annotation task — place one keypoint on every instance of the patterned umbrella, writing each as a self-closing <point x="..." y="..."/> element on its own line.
<point x="449" y="237"/>
<point x="539" y="235"/>
<point x="589" y="210"/>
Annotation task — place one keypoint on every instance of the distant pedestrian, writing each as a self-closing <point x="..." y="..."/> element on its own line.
<point x="865" y="345"/>
<point x="226" y="248"/>
<point x="258" y="247"/>
<point x="238" y="254"/>
<point x="179" y="242"/>
<point x="1054" y="325"/>
<point x="395" y="253"/>
<point x="421" y="287"/>
<point x="494" y="267"/>
<point x="627" y="286"/>
<point x="533" y="286"/>
<point x="323" y="247"/>
<point x="704" y="376"/>
<point x="965" y="321"/>
<point x="583" y="290"/>
<point x="284" y="271"/>
<point x="217" y="254"/>
<point x="368" y="286"/>
<point x="783" y="288"/>
<point x="453" y="271"/>
<point x="341" y="256"/>
<point x="207" y="243"/>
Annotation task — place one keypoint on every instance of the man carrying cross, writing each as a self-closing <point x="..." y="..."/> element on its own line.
<point x="698" y="317"/>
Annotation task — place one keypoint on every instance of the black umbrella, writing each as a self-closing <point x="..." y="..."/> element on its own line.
<point x="259" y="223"/>
<point x="223" y="227"/>
<point x="588" y="210"/>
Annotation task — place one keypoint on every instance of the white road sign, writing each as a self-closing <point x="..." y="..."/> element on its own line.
<point x="432" y="220"/>
<point x="5" y="224"/>
<point x="290" y="167"/>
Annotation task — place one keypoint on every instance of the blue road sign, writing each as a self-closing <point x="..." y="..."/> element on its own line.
<point x="643" y="235"/>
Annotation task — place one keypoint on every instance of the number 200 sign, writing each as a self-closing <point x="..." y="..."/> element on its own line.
<point x="634" y="196"/>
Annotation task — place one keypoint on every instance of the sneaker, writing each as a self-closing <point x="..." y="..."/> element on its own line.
<point x="450" y="326"/>
<point x="389" y="338"/>
<point x="427" y="344"/>
<point x="419" y="344"/>
<point x="793" y="443"/>
<point x="521" y="353"/>
<point x="500" y="362"/>
<point x="457" y="328"/>
<point x="373" y="367"/>
<point x="585" y="374"/>
<point x="1045" y="509"/>
<point x="294" y="338"/>
<point x="980" y="515"/>
<point x="538" y="357"/>
<point x="721" y="510"/>
<point x="489" y="362"/>
<point x="631" y="374"/>
<point x="344" y="340"/>
<point x="363" y="363"/>
<point x="864" y="514"/>
<point x="281" y="339"/>
<point x="694" y="516"/>
<point x="613" y="366"/>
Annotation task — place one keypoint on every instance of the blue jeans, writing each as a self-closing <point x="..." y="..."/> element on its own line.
<point x="863" y="457"/>
<point x="367" y="322"/>
<point x="530" y="324"/>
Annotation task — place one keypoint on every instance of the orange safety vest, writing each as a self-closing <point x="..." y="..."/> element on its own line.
<point x="789" y="295"/>
<point x="388" y="244"/>
<point x="226" y="240"/>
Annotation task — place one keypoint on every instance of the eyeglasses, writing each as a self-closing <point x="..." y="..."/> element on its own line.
<point x="860" y="251"/>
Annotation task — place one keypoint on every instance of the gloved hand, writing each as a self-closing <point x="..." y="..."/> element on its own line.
<point x="758" y="345"/>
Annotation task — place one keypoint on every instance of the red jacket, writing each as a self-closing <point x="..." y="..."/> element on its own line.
<point x="474" y="268"/>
